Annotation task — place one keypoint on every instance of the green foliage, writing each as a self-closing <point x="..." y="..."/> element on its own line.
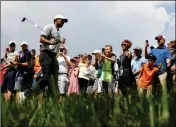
<point x="77" y="110"/>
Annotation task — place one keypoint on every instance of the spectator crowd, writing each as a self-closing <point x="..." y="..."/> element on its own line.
<point x="25" y="72"/>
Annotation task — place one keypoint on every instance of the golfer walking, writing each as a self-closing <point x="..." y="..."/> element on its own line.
<point x="50" y="39"/>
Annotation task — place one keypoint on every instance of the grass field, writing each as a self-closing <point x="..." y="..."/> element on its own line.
<point x="86" y="111"/>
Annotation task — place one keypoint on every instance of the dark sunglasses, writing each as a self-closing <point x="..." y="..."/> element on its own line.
<point x="123" y="44"/>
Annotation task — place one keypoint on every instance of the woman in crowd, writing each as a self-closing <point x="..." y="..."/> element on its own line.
<point x="83" y="80"/>
<point x="126" y="75"/>
<point x="9" y="77"/>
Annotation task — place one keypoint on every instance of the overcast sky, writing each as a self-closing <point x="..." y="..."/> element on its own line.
<point x="91" y="24"/>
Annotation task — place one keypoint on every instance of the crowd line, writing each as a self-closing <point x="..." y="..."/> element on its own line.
<point x="25" y="72"/>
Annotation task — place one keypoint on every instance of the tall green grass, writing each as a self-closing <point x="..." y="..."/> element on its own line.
<point x="78" y="110"/>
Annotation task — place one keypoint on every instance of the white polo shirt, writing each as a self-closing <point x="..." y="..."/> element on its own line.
<point x="63" y="68"/>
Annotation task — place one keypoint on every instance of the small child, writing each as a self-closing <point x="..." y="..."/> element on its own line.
<point x="73" y="78"/>
<point x="147" y="74"/>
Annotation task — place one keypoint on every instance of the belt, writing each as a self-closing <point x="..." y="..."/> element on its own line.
<point x="62" y="73"/>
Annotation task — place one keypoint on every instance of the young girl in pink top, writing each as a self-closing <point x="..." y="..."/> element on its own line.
<point x="73" y="78"/>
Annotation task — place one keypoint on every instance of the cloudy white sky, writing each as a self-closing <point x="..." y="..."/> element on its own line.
<point x="91" y="24"/>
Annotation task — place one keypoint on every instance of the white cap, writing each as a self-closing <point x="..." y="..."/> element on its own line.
<point x="11" y="42"/>
<point x="96" y="51"/>
<point x="24" y="43"/>
<point x="61" y="17"/>
<point x="62" y="46"/>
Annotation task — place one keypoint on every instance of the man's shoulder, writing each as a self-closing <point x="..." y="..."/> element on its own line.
<point x="49" y="25"/>
<point x="143" y="59"/>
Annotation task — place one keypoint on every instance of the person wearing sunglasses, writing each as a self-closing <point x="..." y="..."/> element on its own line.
<point x="126" y="75"/>
<point x="51" y="40"/>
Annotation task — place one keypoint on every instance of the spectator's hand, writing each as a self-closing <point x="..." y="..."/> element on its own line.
<point x="14" y="63"/>
<point x="103" y="56"/>
<point x="63" y="54"/>
<point x="146" y="44"/>
<point x="35" y="76"/>
<point x="127" y="53"/>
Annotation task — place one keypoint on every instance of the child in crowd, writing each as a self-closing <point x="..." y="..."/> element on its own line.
<point x="146" y="77"/>
<point x="73" y="78"/>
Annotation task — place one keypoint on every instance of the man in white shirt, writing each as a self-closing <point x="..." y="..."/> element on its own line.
<point x="64" y="64"/>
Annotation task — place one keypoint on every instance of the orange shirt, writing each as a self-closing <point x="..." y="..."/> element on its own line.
<point x="147" y="75"/>
<point x="36" y="64"/>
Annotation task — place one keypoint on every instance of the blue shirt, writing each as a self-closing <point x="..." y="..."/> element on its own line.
<point x="137" y="63"/>
<point x="161" y="55"/>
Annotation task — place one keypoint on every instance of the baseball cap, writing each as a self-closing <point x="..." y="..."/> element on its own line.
<point x="138" y="48"/>
<point x="61" y="17"/>
<point x="11" y="42"/>
<point x="63" y="47"/>
<point x="151" y="57"/>
<point x="96" y="51"/>
<point x="24" y="43"/>
<point x="159" y="37"/>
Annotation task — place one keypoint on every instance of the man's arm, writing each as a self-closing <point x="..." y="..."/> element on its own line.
<point x="67" y="61"/>
<point x="146" y="52"/>
<point x="44" y="40"/>
<point x="28" y="58"/>
<point x="44" y="35"/>
<point x="112" y="59"/>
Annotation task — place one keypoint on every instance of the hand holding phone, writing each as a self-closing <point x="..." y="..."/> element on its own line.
<point x="146" y="43"/>
<point x="7" y="49"/>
